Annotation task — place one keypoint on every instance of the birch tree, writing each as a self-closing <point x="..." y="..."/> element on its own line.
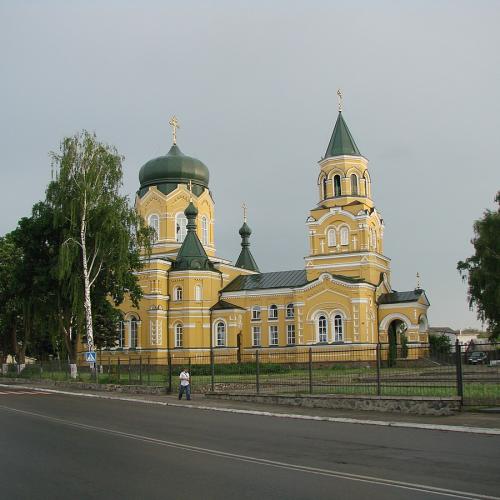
<point x="102" y="235"/>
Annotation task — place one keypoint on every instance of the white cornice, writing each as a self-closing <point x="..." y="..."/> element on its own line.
<point x="347" y="254"/>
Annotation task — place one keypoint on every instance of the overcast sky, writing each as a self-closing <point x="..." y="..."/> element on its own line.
<point x="253" y="85"/>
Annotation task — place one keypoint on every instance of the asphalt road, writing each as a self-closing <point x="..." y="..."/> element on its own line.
<point x="59" y="447"/>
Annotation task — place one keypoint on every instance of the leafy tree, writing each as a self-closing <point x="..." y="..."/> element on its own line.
<point x="439" y="345"/>
<point x="102" y="236"/>
<point x="482" y="270"/>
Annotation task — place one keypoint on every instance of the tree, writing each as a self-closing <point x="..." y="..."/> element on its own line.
<point x="440" y="345"/>
<point x="482" y="270"/>
<point x="102" y="236"/>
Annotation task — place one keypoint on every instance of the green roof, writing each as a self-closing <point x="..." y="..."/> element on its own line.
<point x="246" y="260"/>
<point x="341" y="142"/>
<point x="398" y="297"/>
<point x="222" y="304"/>
<point x="174" y="168"/>
<point x="192" y="255"/>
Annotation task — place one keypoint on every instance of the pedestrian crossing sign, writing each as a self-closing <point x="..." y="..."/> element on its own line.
<point x="90" y="357"/>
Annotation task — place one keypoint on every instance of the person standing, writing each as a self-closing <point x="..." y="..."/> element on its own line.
<point x="185" y="384"/>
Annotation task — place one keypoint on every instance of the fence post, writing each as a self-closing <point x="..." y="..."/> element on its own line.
<point x="257" y="372"/>
<point x="458" y="364"/>
<point x="212" y="370"/>
<point x="310" y="370"/>
<point x="149" y="370"/>
<point x="169" y="361"/>
<point x="379" y="391"/>
<point x="118" y="369"/>
<point x="129" y="371"/>
<point x="140" y="370"/>
<point x="190" y="375"/>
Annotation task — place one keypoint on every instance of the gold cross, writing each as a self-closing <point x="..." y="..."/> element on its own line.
<point x="339" y="94"/>
<point x="175" y="125"/>
<point x="244" y="207"/>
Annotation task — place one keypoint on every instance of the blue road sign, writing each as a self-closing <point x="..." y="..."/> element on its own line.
<point x="90" y="357"/>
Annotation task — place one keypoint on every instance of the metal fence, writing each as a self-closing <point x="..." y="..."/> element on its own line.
<point x="473" y="374"/>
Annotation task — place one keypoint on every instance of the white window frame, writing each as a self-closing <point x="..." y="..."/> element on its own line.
<point x="256" y="313"/>
<point x="290" y="334"/>
<point x="332" y="237"/>
<point x="178" y="293"/>
<point x="344" y="236"/>
<point x="290" y="311"/>
<point x="273" y="335"/>
<point x="198" y="293"/>
<point x="322" y="328"/>
<point x="134" y="332"/>
<point x="179" y="333"/>
<point x="121" y="335"/>
<point x="204" y="230"/>
<point x="338" y="327"/>
<point x="354" y="192"/>
<point x="180" y="227"/>
<point x="256" y="336"/>
<point x="220" y="334"/>
<point x="154" y="222"/>
<point x="273" y="312"/>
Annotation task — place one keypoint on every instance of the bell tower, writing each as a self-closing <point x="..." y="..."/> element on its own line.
<point x="346" y="232"/>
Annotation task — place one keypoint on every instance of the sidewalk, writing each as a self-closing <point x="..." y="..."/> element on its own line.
<point x="467" y="418"/>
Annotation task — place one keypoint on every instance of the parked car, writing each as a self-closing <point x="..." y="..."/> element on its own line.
<point x="477" y="358"/>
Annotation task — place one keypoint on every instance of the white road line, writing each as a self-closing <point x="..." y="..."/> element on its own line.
<point x="423" y="488"/>
<point x="341" y="420"/>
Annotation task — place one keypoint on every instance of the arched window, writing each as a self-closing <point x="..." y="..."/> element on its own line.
<point x="322" y="329"/>
<point x="178" y="293"/>
<point x="423" y="324"/>
<point x="273" y="312"/>
<point x="180" y="227"/>
<point x="354" y="184"/>
<point x="198" y="292"/>
<point x="344" y="235"/>
<point x="204" y="230"/>
<point x="178" y="335"/>
<point x="332" y="237"/>
<point x="121" y="335"/>
<point x="337" y="190"/>
<point x="133" y="333"/>
<point x="367" y="183"/>
<point x="220" y="330"/>
<point x="290" y="311"/>
<point x="154" y="222"/>
<point x="325" y="181"/>
<point x="338" y="328"/>
<point x="256" y="313"/>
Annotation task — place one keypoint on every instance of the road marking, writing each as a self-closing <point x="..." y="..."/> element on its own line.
<point x="340" y="420"/>
<point x="422" y="488"/>
<point x="32" y="393"/>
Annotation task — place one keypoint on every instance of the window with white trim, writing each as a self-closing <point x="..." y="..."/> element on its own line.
<point x="133" y="333"/>
<point x="121" y="335"/>
<point x="178" y="335"/>
<point x="220" y="331"/>
<point x="354" y="184"/>
<point x="344" y="235"/>
<point x="290" y="334"/>
<point x="273" y="312"/>
<point x="332" y="237"/>
<point x="180" y="227"/>
<point x="198" y="293"/>
<point x="290" y="311"/>
<point x="273" y="335"/>
<point x="337" y="189"/>
<point x="256" y="313"/>
<point x="178" y="293"/>
<point x="204" y="230"/>
<point x="322" y="329"/>
<point x="255" y="336"/>
<point x="338" y="326"/>
<point x="325" y="188"/>
<point x="154" y="223"/>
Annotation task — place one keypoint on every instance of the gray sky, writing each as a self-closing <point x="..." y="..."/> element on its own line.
<point x="253" y="85"/>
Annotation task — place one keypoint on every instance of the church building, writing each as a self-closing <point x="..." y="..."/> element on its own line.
<point x="195" y="300"/>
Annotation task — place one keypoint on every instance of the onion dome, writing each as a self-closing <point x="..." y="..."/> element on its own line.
<point x="174" y="168"/>
<point x="245" y="259"/>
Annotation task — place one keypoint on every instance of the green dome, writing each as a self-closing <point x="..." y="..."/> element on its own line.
<point x="174" y="168"/>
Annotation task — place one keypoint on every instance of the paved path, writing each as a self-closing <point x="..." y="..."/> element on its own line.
<point x="62" y="446"/>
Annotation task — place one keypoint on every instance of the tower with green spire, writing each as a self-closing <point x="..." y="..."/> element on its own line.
<point x="192" y="255"/>
<point x="245" y="259"/>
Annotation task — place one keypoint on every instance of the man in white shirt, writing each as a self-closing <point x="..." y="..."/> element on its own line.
<point x="184" y="385"/>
